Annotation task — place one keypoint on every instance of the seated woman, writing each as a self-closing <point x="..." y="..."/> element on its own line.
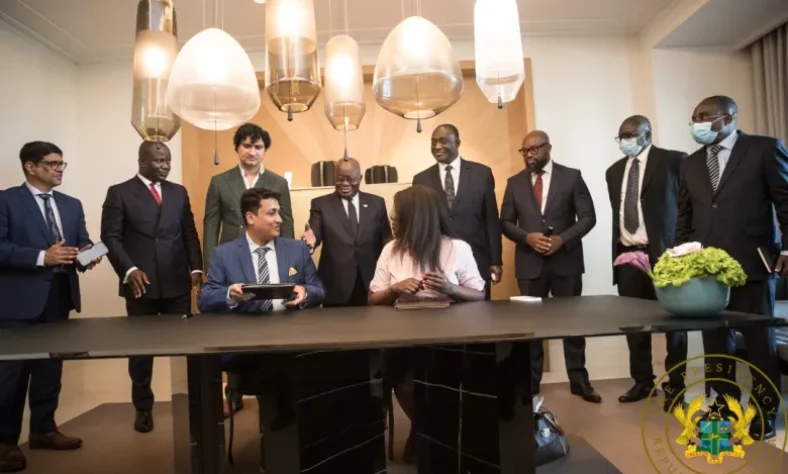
<point x="424" y="260"/>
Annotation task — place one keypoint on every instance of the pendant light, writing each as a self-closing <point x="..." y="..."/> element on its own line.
<point x="416" y="73"/>
<point x="292" y="75"/>
<point x="344" y="89"/>
<point x="498" y="47"/>
<point x="155" y="49"/>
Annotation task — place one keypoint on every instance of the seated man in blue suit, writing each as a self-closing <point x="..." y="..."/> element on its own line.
<point x="41" y="233"/>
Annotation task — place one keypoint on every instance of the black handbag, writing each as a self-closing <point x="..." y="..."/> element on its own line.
<point x="551" y="443"/>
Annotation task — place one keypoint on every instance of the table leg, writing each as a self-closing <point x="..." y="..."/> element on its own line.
<point x="197" y="420"/>
<point x="323" y="414"/>
<point x="474" y="410"/>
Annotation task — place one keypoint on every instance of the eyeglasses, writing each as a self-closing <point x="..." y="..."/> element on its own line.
<point x="533" y="150"/>
<point x="626" y="137"/>
<point x="54" y="165"/>
<point x="346" y="179"/>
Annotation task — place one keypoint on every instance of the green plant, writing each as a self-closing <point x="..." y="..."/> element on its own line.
<point x="708" y="261"/>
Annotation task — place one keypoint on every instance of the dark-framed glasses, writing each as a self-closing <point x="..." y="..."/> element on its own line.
<point x="533" y="150"/>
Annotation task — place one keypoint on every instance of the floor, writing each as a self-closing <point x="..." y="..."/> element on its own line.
<point x="613" y="429"/>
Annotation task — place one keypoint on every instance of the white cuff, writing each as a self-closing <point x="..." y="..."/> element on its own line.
<point x="231" y="303"/>
<point x="126" y="279"/>
<point x="41" y="258"/>
<point x="784" y="252"/>
<point x="196" y="271"/>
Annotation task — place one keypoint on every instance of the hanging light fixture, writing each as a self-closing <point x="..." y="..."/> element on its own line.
<point x="416" y="74"/>
<point x="292" y="76"/>
<point x="155" y="49"/>
<point x="498" y="46"/>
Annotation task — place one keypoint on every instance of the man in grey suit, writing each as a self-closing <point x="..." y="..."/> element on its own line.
<point x="546" y="212"/>
<point x="223" y="203"/>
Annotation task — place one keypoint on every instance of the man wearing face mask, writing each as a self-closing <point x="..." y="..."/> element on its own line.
<point x="731" y="190"/>
<point x="644" y="197"/>
<point x="353" y="227"/>
<point x="546" y="211"/>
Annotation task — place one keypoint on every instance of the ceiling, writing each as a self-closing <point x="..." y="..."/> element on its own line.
<point x="93" y="30"/>
<point x="727" y="24"/>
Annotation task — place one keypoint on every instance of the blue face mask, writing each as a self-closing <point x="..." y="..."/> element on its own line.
<point x="630" y="147"/>
<point x="702" y="132"/>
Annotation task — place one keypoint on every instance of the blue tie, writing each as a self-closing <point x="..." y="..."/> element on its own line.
<point x="263" y="275"/>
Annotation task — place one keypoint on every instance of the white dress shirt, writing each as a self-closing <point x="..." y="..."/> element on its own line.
<point x="640" y="237"/>
<point x="547" y="173"/>
<point x="256" y="178"/>
<point x="157" y="185"/>
<point x="727" y="147"/>
<point x="455" y="173"/>
<point x="273" y="270"/>
<point x="356" y="204"/>
<point x="40" y="202"/>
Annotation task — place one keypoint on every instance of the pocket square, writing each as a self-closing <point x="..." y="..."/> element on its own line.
<point x="292" y="271"/>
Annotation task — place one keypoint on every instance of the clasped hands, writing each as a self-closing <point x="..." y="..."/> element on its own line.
<point x="60" y="254"/>
<point x="544" y="245"/>
<point x="434" y="281"/>
<point x="138" y="280"/>
<point x="237" y="294"/>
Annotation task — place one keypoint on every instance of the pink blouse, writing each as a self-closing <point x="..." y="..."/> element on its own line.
<point x="456" y="260"/>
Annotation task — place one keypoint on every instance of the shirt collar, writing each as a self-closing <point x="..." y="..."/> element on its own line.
<point x="729" y="141"/>
<point x="455" y="165"/>
<point x="241" y="169"/>
<point x="37" y="191"/>
<point x="253" y="246"/>
<point x="146" y="181"/>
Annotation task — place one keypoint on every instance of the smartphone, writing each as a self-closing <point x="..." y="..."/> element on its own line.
<point x="549" y="232"/>
<point x="94" y="252"/>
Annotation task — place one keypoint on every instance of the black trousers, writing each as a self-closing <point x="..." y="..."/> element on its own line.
<point x="42" y="376"/>
<point x="755" y="297"/>
<point x="358" y="297"/>
<point x="141" y="367"/>
<point x="634" y="283"/>
<point x="574" y="347"/>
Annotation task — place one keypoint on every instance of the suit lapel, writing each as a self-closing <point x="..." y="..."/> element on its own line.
<point x="145" y="195"/>
<point x="364" y="212"/>
<point x="555" y="181"/>
<point x="63" y="210"/>
<point x="338" y="208"/>
<point x="618" y="181"/>
<point x="282" y="261"/>
<point x="528" y="187"/>
<point x="436" y="182"/>
<point x="245" y="259"/>
<point x="465" y="182"/>
<point x="740" y="149"/>
<point x="652" y="163"/>
<point x="32" y="207"/>
<point x="237" y="185"/>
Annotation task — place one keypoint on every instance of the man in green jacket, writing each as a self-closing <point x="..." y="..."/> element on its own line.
<point x="223" y="205"/>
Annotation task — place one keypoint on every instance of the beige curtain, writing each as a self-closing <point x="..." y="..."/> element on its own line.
<point x="770" y="69"/>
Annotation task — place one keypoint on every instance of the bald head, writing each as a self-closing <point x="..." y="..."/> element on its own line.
<point x="722" y="104"/>
<point x="536" y="150"/>
<point x="347" y="177"/>
<point x="714" y="119"/>
<point x="154" y="161"/>
<point x="536" y="136"/>
<point x="634" y="135"/>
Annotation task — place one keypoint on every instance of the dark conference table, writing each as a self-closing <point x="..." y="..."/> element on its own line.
<point x="468" y="368"/>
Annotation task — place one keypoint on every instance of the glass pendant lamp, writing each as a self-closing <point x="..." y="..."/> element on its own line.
<point x="344" y="88"/>
<point x="292" y="75"/>
<point x="498" y="47"/>
<point x="155" y="49"/>
<point x="213" y="85"/>
<point x="416" y="74"/>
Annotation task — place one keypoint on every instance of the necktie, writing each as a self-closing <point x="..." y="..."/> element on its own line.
<point x="538" y="189"/>
<point x="448" y="185"/>
<point x="631" y="197"/>
<point x="263" y="276"/>
<point x="713" y="164"/>
<point x="353" y="217"/>
<point x="156" y="195"/>
<point x="50" y="217"/>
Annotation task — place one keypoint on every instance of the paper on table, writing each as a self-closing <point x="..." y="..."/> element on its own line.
<point x="526" y="299"/>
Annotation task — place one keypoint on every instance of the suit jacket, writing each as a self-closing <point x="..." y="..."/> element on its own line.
<point x="474" y="214"/>
<point x="159" y="240"/>
<point x="659" y="199"/>
<point x="344" y="256"/>
<point x="24" y="286"/>
<point x="740" y="216"/>
<point x="569" y="210"/>
<point x="232" y="263"/>
<point x="223" y="208"/>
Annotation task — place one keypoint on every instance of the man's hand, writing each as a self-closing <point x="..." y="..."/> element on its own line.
<point x="137" y="281"/>
<point x="309" y="237"/>
<point x="781" y="266"/>
<point x="59" y="254"/>
<point x="300" y="297"/>
<point x="197" y="279"/>
<point x="411" y="286"/>
<point x="556" y="243"/>
<point x="497" y="273"/>
<point x="538" y="242"/>
<point x="237" y="293"/>
<point x="437" y="281"/>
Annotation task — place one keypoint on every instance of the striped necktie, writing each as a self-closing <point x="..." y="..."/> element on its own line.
<point x="713" y="164"/>
<point x="50" y="217"/>
<point x="263" y="275"/>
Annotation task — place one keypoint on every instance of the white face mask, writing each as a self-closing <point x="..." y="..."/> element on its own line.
<point x="702" y="132"/>
<point x="630" y="146"/>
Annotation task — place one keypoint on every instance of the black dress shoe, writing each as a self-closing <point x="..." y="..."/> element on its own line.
<point x="144" y="422"/>
<point x="769" y="429"/>
<point x="636" y="393"/>
<point x="586" y="392"/>
<point x="11" y="458"/>
<point x="671" y="403"/>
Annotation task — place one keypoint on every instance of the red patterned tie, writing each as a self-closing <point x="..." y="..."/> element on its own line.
<point x="538" y="190"/>
<point x="155" y="193"/>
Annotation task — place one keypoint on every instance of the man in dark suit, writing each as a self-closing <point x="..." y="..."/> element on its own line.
<point x="730" y="190"/>
<point x="41" y="233"/>
<point x="548" y="196"/>
<point x="468" y="190"/>
<point x="644" y="197"/>
<point x="353" y="227"/>
<point x="148" y="226"/>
